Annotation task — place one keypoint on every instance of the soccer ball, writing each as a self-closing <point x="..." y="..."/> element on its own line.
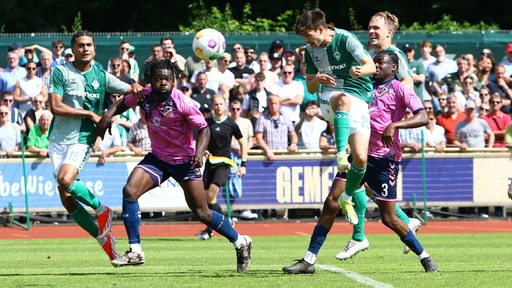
<point x="209" y="44"/>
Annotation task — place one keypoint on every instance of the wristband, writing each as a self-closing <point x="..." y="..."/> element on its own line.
<point x="243" y="164"/>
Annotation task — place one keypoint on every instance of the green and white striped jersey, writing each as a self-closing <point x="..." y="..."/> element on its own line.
<point x="80" y="90"/>
<point x="336" y="59"/>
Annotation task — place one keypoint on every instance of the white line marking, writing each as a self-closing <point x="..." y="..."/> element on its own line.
<point x="355" y="276"/>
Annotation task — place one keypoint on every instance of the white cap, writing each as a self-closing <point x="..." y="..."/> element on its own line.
<point x="68" y="52"/>
<point x="470" y="105"/>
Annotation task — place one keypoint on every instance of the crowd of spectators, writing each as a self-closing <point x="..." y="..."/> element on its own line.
<point x="450" y="89"/>
<point x="468" y="98"/>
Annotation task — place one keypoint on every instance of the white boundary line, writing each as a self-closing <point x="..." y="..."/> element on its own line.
<point x="359" y="278"/>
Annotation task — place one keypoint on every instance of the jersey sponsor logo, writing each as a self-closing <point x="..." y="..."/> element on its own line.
<point x="84" y="94"/>
<point x="329" y="69"/>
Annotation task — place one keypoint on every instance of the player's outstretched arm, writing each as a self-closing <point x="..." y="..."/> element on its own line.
<point x="105" y="123"/>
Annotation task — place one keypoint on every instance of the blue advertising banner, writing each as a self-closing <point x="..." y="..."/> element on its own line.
<point x="278" y="184"/>
<point x="105" y="181"/>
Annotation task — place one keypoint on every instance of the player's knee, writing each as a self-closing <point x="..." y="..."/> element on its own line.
<point x="65" y="181"/>
<point x="390" y="221"/>
<point x="129" y="192"/>
<point x="332" y="206"/>
<point x="340" y="102"/>
<point x="359" y="161"/>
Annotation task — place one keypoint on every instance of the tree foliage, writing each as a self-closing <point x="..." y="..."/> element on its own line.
<point x="77" y="24"/>
<point x="447" y="24"/>
<point x="213" y="17"/>
<point x="204" y="16"/>
<point x="242" y="16"/>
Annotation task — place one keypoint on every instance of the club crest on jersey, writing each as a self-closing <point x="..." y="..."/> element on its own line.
<point x="337" y="55"/>
<point x="168" y="111"/>
<point x="95" y="84"/>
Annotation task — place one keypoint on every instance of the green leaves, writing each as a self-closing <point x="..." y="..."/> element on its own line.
<point x="224" y="21"/>
<point x="447" y="24"/>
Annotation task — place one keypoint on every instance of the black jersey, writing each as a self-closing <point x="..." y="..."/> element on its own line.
<point x="221" y="134"/>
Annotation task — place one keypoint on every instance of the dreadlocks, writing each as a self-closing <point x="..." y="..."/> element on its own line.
<point x="162" y="64"/>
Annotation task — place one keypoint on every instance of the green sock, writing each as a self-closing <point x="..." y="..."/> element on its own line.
<point x="341" y="130"/>
<point x="85" y="220"/>
<point x="401" y="214"/>
<point x="80" y="192"/>
<point x="354" y="176"/>
<point x="360" y="204"/>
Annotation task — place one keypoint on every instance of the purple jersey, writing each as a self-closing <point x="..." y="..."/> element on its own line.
<point x="170" y="124"/>
<point x="391" y="99"/>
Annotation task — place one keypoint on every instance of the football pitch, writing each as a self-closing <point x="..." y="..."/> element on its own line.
<point x="464" y="259"/>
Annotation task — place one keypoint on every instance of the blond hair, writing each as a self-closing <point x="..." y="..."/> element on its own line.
<point x="390" y="20"/>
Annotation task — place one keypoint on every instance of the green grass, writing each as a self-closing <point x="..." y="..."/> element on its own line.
<point x="465" y="260"/>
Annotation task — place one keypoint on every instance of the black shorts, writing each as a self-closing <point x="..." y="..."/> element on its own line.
<point x="217" y="174"/>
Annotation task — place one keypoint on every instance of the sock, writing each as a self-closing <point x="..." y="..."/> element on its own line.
<point x="341" y="130"/>
<point x="410" y="240"/>
<point x="424" y="254"/>
<point x="136" y="247"/>
<point x="222" y="226"/>
<point x="80" y="192"/>
<point x="310" y="257"/>
<point x="239" y="241"/>
<point x="214" y="207"/>
<point x="317" y="238"/>
<point x="131" y="220"/>
<point x="354" y="177"/>
<point x="401" y="214"/>
<point x="360" y="204"/>
<point x="85" y="220"/>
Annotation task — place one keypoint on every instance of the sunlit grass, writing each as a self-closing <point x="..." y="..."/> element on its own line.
<point x="465" y="260"/>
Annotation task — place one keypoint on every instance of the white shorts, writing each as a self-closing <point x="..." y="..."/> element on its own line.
<point x="73" y="154"/>
<point x="359" y="114"/>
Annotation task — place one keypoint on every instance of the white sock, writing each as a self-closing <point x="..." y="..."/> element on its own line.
<point x="346" y="197"/>
<point x="239" y="241"/>
<point x="423" y="254"/>
<point x="310" y="257"/>
<point x="136" y="248"/>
